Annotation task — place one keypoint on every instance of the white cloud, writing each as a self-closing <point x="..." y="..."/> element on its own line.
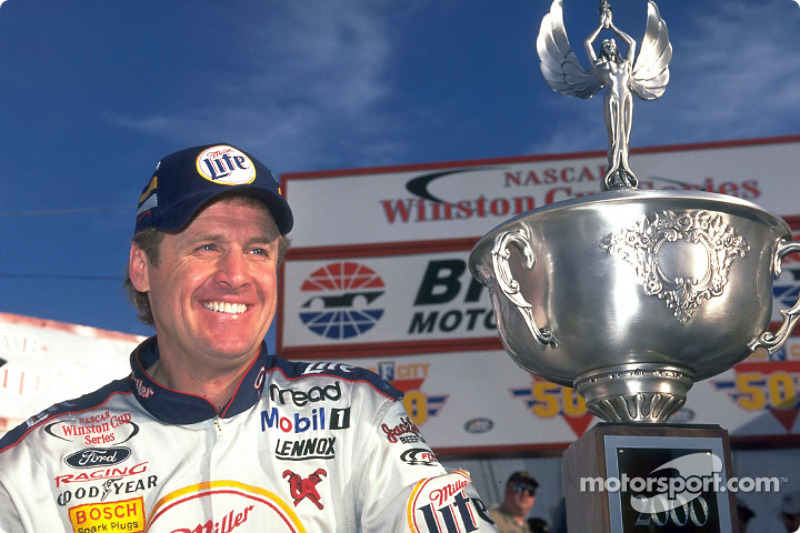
<point x="735" y="72"/>
<point x="306" y="73"/>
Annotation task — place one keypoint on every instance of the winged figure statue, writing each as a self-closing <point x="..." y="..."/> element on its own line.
<point x="647" y="77"/>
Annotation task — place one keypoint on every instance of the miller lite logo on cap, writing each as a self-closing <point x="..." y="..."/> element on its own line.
<point x="225" y="165"/>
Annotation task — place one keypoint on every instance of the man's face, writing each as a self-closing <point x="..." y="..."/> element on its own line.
<point x="213" y="294"/>
<point x="519" y="498"/>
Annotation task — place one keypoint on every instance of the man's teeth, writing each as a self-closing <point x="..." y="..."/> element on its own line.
<point x="225" y="307"/>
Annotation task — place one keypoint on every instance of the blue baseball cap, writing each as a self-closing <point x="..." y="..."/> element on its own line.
<point x="187" y="180"/>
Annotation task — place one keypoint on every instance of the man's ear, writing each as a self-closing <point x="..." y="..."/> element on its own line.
<point x="138" y="264"/>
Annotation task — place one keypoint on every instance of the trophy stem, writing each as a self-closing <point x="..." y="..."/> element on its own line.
<point x="635" y="392"/>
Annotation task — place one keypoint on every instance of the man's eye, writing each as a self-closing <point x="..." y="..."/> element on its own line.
<point x="258" y="251"/>
<point x="207" y="247"/>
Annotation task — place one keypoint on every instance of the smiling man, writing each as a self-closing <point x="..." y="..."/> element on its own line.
<point x="211" y="432"/>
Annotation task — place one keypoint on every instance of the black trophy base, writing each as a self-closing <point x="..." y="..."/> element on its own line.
<point x="642" y="478"/>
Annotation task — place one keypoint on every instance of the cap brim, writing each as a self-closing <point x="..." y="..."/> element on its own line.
<point x="191" y="205"/>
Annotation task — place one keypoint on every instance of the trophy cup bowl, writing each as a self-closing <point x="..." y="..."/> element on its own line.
<point x="631" y="296"/>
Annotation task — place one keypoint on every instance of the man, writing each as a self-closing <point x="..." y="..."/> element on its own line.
<point x="520" y="494"/>
<point x="210" y="433"/>
<point x="790" y="512"/>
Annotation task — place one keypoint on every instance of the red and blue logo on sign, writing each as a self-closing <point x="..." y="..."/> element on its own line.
<point x="340" y="305"/>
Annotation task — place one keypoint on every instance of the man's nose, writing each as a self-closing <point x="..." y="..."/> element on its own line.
<point x="232" y="269"/>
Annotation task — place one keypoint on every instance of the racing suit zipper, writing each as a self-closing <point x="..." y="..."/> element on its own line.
<point x="219" y="427"/>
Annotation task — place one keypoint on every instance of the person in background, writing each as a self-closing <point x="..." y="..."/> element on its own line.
<point x="790" y="512"/>
<point x="510" y="516"/>
<point x="211" y="431"/>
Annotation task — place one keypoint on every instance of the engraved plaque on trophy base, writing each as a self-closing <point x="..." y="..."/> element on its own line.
<point x="665" y="478"/>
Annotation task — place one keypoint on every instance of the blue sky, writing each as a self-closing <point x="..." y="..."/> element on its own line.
<point x="94" y="92"/>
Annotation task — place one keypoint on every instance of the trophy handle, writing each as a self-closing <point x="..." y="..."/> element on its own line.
<point x="510" y="287"/>
<point x="773" y="342"/>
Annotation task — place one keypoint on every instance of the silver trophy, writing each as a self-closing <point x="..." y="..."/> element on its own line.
<point x="631" y="296"/>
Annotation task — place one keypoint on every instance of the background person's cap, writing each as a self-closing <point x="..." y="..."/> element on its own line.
<point x="186" y="180"/>
<point x="524" y="478"/>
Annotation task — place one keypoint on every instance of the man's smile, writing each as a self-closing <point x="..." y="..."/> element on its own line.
<point x="225" y="307"/>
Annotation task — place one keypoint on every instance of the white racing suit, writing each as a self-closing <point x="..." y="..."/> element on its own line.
<point x="299" y="447"/>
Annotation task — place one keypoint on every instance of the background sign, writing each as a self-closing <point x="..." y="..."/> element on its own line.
<point x="43" y="362"/>
<point x="399" y="304"/>
<point x="379" y="278"/>
<point x="480" y="403"/>
<point x="464" y="200"/>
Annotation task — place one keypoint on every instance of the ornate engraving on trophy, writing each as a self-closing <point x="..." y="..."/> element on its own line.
<point x="711" y="248"/>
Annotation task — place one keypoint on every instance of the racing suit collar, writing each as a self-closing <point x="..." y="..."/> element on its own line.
<point x="174" y="407"/>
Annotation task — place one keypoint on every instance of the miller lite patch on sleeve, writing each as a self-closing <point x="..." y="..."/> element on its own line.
<point x="447" y="504"/>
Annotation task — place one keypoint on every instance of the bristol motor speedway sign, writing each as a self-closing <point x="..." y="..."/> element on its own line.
<point x="414" y="301"/>
<point x="378" y="268"/>
<point x="424" y="302"/>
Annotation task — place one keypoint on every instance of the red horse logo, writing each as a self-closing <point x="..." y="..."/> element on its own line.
<point x="305" y="488"/>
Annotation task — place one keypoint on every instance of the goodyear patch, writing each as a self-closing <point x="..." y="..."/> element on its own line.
<point x="125" y="515"/>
